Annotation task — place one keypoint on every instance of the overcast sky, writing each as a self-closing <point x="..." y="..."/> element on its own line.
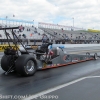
<point x="86" y="13"/>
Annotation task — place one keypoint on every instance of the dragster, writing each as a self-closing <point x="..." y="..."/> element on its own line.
<point x="48" y="55"/>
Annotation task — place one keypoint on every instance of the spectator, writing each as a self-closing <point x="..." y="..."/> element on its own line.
<point x="18" y="32"/>
<point x="34" y="42"/>
<point x="24" y="35"/>
<point x="35" y="31"/>
<point x="25" y="41"/>
<point x="63" y="41"/>
<point x="7" y="33"/>
<point x="15" y="39"/>
<point x="1" y="39"/>
<point x="38" y="33"/>
<point x="62" y="30"/>
<point x="35" y="28"/>
<point x="19" y="37"/>
<point x="27" y="29"/>
<point x="44" y="38"/>
<point x="14" y="31"/>
<point x="21" y="28"/>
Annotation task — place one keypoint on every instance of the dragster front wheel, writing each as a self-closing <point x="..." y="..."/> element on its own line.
<point x="26" y="65"/>
<point x="95" y="56"/>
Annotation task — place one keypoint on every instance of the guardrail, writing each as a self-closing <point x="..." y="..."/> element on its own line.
<point x="61" y="41"/>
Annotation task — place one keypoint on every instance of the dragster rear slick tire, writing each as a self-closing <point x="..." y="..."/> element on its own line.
<point x="5" y="62"/>
<point x="26" y="65"/>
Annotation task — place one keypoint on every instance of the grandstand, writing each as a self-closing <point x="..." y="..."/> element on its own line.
<point x="30" y="32"/>
<point x="68" y="33"/>
<point x="53" y="31"/>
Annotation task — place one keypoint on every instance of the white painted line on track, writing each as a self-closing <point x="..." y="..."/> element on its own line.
<point x="58" y="87"/>
<point x="93" y="77"/>
<point x="85" y="51"/>
<point x="53" y="89"/>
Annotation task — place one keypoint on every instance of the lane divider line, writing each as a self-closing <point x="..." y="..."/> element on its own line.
<point x="53" y="89"/>
<point x="57" y="88"/>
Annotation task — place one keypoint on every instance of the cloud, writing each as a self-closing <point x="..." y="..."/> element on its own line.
<point x="85" y="12"/>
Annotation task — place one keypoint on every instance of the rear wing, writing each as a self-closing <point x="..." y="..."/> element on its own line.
<point x="14" y="39"/>
<point x="8" y="28"/>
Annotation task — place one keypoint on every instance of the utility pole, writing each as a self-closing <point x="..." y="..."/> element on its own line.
<point x="73" y="23"/>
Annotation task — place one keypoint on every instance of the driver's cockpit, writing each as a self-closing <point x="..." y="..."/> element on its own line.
<point x="43" y="48"/>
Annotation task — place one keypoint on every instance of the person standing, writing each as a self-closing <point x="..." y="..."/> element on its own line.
<point x="19" y="37"/>
<point x="24" y="39"/>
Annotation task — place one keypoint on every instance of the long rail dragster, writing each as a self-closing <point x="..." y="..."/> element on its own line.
<point x="47" y="55"/>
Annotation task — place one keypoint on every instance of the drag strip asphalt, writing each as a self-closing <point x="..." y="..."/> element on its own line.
<point x="14" y="84"/>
